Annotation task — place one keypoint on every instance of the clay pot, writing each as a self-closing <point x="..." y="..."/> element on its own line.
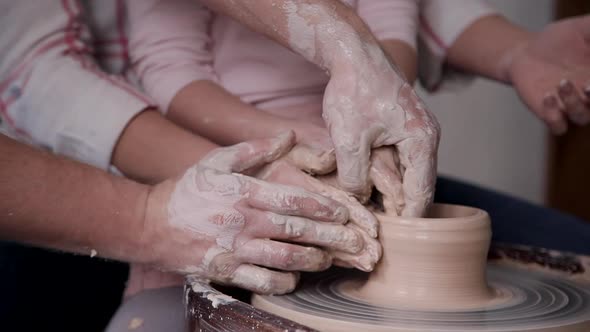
<point x="432" y="263"/>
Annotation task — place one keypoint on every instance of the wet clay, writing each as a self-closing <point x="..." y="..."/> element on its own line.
<point x="433" y="278"/>
<point x="434" y="263"/>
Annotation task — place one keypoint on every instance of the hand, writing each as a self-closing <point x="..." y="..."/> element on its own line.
<point x="551" y="73"/>
<point x="370" y="105"/>
<point x="362" y="221"/>
<point x="223" y="226"/>
<point x="314" y="151"/>
<point x="384" y="172"/>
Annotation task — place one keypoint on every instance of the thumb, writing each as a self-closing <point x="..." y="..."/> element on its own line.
<point x="313" y="160"/>
<point x="246" y="155"/>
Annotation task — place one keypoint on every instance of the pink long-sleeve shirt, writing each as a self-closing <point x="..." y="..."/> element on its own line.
<point x="176" y="42"/>
<point x="62" y="63"/>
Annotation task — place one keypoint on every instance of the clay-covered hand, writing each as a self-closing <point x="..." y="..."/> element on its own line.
<point x="362" y="221"/>
<point x="384" y="172"/>
<point x="551" y="73"/>
<point x="370" y="105"/>
<point x="314" y="151"/>
<point x="220" y="225"/>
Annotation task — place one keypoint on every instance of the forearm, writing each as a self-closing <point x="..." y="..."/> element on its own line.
<point x="56" y="203"/>
<point x="404" y="56"/>
<point x="209" y="110"/>
<point x="152" y="149"/>
<point x="326" y="32"/>
<point x="473" y="52"/>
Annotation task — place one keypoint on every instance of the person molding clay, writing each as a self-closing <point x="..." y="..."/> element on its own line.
<point x="179" y="54"/>
<point x="211" y="221"/>
<point x="193" y="66"/>
<point x="99" y="118"/>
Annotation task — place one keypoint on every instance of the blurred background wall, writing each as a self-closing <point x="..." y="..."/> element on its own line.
<point x="488" y="135"/>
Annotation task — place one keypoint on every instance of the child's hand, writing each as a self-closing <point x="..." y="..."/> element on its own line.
<point x="551" y="73"/>
<point x="362" y="221"/>
<point x="314" y="152"/>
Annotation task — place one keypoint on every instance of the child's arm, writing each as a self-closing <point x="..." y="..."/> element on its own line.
<point x="395" y="24"/>
<point x="441" y="23"/>
<point x="170" y="49"/>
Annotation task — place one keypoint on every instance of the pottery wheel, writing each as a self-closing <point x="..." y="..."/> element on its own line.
<point x="534" y="302"/>
<point x="433" y="276"/>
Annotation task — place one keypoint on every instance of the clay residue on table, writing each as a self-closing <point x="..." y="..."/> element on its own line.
<point x="564" y="264"/>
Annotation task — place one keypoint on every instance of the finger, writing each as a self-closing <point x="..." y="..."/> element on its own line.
<point x="352" y="159"/>
<point x="263" y="281"/>
<point x="418" y="156"/>
<point x="246" y="155"/>
<point x="575" y="107"/>
<point x="301" y="230"/>
<point x="313" y="160"/>
<point x="365" y="260"/>
<point x="387" y="179"/>
<point x="294" y="201"/>
<point x="283" y="256"/>
<point x="342" y="263"/>
<point x="359" y="214"/>
<point x="553" y="116"/>
<point x="285" y="173"/>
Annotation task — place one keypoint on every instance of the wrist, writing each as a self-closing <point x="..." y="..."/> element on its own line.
<point x="508" y="59"/>
<point x="153" y="222"/>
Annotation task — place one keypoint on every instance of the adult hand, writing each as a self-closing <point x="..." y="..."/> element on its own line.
<point x="362" y="221"/>
<point x="370" y="105"/>
<point x="223" y="226"/>
<point x="384" y="172"/>
<point x="551" y="73"/>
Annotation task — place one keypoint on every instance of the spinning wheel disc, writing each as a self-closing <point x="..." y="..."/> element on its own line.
<point x="532" y="301"/>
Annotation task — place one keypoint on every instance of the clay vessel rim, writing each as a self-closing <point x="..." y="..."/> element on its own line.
<point x="467" y="218"/>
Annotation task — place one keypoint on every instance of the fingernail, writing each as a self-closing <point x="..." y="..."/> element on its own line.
<point x="550" y="101"/>
<point x="559" y="130"/>
<point x="566" y="87"/>
<point x="285" y="135"/>
<point x="341" y="214"/>
<point x="366" y="263"/>
<point x="373" y="232"/>
<point x="581" y="119"/>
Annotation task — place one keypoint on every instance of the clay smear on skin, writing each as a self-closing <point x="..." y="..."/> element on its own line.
<point x="205" y="192"/>
<point x="314" y="31"/>
<point x="312" y="27"/>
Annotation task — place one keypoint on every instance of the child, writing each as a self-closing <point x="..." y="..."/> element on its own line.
<point x="213" y="76"/>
